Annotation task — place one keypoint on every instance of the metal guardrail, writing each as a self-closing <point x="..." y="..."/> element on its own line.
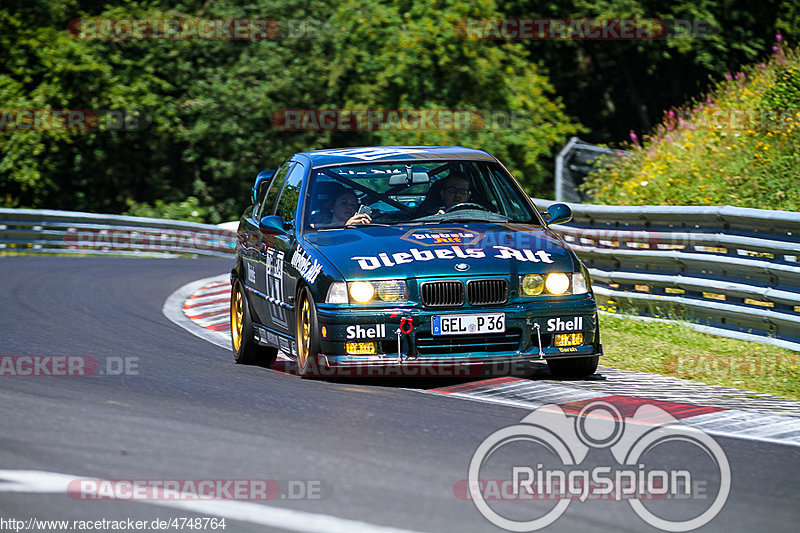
<point x="735" y="269"/>
<point x="68" y="232"/>
<point x="573" y="163"/>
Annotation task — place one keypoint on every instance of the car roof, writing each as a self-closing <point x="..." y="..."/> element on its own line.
<point x="367" y="154"/>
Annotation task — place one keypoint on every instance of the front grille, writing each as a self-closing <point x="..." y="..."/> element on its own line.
<point x="448" y="293"/>
<point x="430" y="345"/>
<point x="487" y="291"/>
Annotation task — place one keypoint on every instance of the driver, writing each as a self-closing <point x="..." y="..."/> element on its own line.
<point x="455" y="191"/>
<point x="445" y="193"/>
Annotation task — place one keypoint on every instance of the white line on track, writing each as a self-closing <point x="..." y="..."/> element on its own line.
<point x="38" y="481"/>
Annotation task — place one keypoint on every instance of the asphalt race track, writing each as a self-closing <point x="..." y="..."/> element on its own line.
<point x="372" y="456"/>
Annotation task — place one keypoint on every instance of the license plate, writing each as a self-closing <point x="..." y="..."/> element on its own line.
<point x="468" y="324"/>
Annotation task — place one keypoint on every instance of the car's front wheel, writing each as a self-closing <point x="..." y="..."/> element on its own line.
<point x="307" y="337"/>
<point x="574" y="367"/>
<point x="245" y="349"/>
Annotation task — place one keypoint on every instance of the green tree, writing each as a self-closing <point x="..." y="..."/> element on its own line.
<point x="209" y="104"/>
<point x="617" y="86"/>
<point x="409" y="55"/>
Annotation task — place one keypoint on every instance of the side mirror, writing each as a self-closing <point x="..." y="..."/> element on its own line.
<point x="557" y="213"/>
<point x="262" y="178"/>
<point x="274" y="224"/>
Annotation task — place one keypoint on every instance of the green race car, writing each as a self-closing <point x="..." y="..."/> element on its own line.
<point x="407" y="261"/>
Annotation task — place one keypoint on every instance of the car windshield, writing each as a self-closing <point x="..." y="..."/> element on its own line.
<point x="414" y="193"/>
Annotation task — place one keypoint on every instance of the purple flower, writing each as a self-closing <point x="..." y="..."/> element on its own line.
<point x="778" y="36"/>
<point x="775" y="48"/>
<point x="728" y="76"/>
<point x="671" y="113"/>
<point x="708" y="100"/>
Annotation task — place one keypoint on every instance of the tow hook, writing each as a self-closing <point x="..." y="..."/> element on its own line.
<point x="406" y="327"/>
<point x="539" y="336"/>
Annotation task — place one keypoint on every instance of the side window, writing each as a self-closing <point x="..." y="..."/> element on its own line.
<point x="262" y="191"/>
<point x="508" y="197"/>
<point x="287" y="206"/>
<point x="275" y="187"/>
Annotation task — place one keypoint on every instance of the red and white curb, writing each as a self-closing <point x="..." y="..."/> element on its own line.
<point x="715" y="420"/>
<point x="202" y="308"/>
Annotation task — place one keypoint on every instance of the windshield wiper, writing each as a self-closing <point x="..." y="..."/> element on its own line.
<point x="381" y="224"/>
<point x="467" y="219"/>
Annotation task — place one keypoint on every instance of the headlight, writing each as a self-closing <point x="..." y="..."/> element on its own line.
<point x="362" y="291"/>
<point x="556" y="283"/>
<point x="531" y="285"/>
<point x="392" y="290"/>
<point x="389" y="291"/>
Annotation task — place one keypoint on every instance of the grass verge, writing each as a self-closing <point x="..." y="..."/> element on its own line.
<point x="679" y="351"/>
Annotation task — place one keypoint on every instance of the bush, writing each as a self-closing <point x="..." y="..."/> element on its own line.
<point x="188" y="210"/>
<point x="739" y="145"/>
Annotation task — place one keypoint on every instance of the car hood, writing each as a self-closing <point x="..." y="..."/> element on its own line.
<point x="381" y="252"/>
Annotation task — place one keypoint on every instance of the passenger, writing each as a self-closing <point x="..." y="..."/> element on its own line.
<point x="340" y="211"/>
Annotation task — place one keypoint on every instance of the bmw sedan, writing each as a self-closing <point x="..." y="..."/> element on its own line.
<point x="406" y="260"/>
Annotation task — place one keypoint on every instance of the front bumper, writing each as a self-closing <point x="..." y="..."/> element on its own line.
<point x="403" y="335"/>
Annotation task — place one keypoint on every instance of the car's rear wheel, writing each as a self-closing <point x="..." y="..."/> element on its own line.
<point x="307" y="337"/>
<point x="574" y="367"/>
<point x="245" y="349"/>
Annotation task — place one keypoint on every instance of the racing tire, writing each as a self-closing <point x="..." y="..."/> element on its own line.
<point x="573" y="367"/>
<point x="245" y="349"/>
<point x="306" y="328"/>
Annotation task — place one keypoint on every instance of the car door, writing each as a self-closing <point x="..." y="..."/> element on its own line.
<point x="277" y="252"/>
<point x="254" y="260"/>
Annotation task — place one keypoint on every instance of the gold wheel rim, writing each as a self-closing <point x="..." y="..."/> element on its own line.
<point x="305" y="333"/>
<point x="236" y="319"/>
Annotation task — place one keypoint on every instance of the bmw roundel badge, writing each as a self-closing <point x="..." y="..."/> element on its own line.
<point x="462" y="267"/>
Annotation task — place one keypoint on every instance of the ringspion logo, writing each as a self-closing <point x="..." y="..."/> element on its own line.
<point x="542" y="459"/>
